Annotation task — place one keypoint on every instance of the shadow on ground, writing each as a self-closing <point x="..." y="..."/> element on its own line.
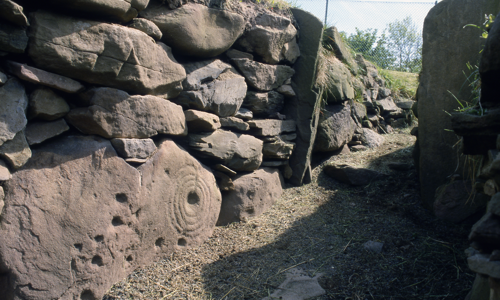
<point x="422" y="258"/>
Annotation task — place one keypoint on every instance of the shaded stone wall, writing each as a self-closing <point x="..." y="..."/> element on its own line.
<point x="447" y="48"/>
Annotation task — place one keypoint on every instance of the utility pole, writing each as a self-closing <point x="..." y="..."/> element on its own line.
<point x="326" y="12"/>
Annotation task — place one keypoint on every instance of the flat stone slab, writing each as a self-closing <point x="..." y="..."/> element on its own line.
<point x="297" y="286"/>
<point x="233" y="122"/>
<point x="271" y="127"/>
<point x="39" y="132"/>
<point x="38" y="76"/>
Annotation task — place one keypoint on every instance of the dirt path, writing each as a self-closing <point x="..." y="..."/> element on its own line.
<point x="321" y="227"/>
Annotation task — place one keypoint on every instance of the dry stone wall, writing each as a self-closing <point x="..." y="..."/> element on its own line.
<point x="125" y="126"/>
<point x="481" y="136"/>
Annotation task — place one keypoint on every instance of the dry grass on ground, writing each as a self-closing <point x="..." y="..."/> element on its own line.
<point x="321" y="227"/>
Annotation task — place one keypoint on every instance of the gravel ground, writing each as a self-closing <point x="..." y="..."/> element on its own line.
<point x="321" y="227"/>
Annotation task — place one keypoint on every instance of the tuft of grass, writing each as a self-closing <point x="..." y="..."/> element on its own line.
<point x="401" y="84"/>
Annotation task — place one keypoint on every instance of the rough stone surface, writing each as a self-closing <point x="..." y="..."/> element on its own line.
<point x="272" y="127"/>
<point x="244" y="114"/>
<point x="387" y="105"/>
<point x="486" y="232"/>
<point x="201" y="121"/>
<point x="406" y="105"/>
<point x="203" y="71"/>
<point x="38" y="132"/>
<point x="305" y="107"/>
<point x="335" y="129"/>
<point x="494" y="205"/>
<point x="341" y="86"/>
<point x="286" y="90"/>
<point x="116" y="114"/>
<point x="4" y="175"/>
<point x="351" y="175"/>
<point x="291" y="51"/>
<point x="481" y="264"/>
<point x="278" y="150"/>
<point x="371" y="139"/>
<point x="447" y="48"/>
<point x="233" y="53"/>
<point x="134" y="148"/>
<point x="16" y="151"/>
<point x="13" y="104"/>
<point x="116" y="10"/>
<point x="79" y="208"/>
<point x="224" y="182"/>
<point x="235" y="123"/>
<point x="46" y="105"/>
<point x="334" y="39"/>
<point x="239" y="152"/>
<point x="457" y="201"/>
<point x="261" y="76"/>
<point x="254" y="193"/>
<point x="13" y="12"/>
<point x="264" y="104"/>
<point x="358" y="112"/>
<point x="12" y="38"/>
<point x="104" y="54"/>
<point x="223" y="96"/>
<point x="42" y="77"/>
<point x="147" y="27"/>
<point x="195" y="29"/>
<point x="267" y="37"/>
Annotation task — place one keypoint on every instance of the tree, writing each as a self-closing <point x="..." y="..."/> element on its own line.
<point x="371" y="46"/>
<point x="404" y="42"/>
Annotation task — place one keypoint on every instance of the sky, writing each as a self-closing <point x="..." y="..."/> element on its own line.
<point x="346" y="15"/>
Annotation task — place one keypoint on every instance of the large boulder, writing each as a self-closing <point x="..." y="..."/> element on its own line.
<point x="240" y="152"/>
<point x="78" y="218"/>
<point x="194" y="29"/>
<point x="115" y="114"/>
<point x="253" y="194"/>
<point x="335" y="129"/>
<point x="13" y="104"/>
<point x="447" y="48"/>
<point x="304" y="108"/>
<point x="213" y="87"/>
<point x="104" y="54"/>
<point x="262" y="76"/>
<point x="115" y="10"/>
<point x="267" y="36"/>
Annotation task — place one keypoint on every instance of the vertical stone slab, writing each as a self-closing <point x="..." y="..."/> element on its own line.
<point x="447" y="47"/>
<point x="304" y="107"/>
